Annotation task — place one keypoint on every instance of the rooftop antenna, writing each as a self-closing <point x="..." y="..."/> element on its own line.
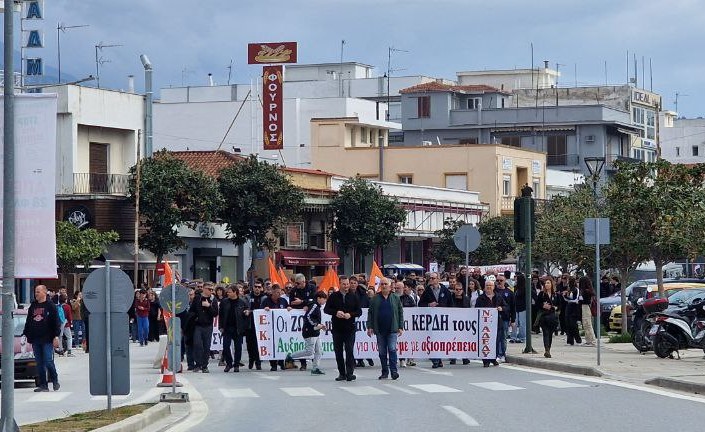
<point x="61" y="28"/>
<point x="675" y="103"/>
<point x="230" y="70"/>
<point x="341" y="91"/>
<point x="651" y="76"/>
<point x="100" y="60"/>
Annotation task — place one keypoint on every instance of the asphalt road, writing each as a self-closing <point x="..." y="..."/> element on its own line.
<point x="454" y="398"/>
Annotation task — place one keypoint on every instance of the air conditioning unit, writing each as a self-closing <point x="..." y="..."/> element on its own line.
<point x="589" y="138"/>
<point x="426" y="143"/>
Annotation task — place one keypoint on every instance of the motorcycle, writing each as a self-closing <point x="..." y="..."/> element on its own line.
<point x="643" y="319"/>
<point x="674" y="332"/>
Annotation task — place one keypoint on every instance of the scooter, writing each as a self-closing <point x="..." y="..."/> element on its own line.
<point x="643" y="319"/>
<point x="672" y="332"/>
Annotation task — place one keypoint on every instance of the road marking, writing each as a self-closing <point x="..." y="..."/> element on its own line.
<point x="401" y="389"/>
<point x="431" y="371"/>
<point x="364" y="391"/>
<point x="150" y="395"/>
<point x="49" y="397"/>
<point x="435" y="388"/>
<point x="267" y="376"/>
<point x="559" y="384"/>
<point x="198" y="411"/>
<point x="655" y="391"/>
<point x="462" y="416"/>
<point x="238" y="393"/>
<point x="496" y="386"/>
<point x="105" y="398"/>
<point x="301" y="391"/>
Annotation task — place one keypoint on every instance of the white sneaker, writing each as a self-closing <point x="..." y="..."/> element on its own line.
<point x="501" y="359"/>
<point x="402" y="363"/>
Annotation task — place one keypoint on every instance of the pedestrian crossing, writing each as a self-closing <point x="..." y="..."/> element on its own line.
<point x="408" y="389"/>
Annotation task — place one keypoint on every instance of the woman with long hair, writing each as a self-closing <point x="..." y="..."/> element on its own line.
<point x="586" y="295"/>
<point x="548" y="302"/>
<point x="572" y="312"/>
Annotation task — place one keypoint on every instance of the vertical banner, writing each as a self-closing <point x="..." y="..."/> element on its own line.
<point x="35" y="177"/>
<point x="273" y="107"/>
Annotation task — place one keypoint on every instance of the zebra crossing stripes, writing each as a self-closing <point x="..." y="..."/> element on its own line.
<point x="559" y="384"/>
<point x="496" y="386"/>
<point x="49" y="397"/>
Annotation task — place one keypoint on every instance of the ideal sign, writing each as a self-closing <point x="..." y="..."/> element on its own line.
<point x="272" y="107"/>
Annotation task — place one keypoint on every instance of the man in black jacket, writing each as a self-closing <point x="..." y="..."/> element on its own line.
<point x="361" y="291"/>
<point x="507" y="316"/>
<point x="301" y="297"/>
<point x="42" y="330"/>
<point x="435" y="295"/>
<point x="254" y="301"/>
<point x="205" y="309"/>
<point x="344" y="306"/>
<point x="233" y="319"/>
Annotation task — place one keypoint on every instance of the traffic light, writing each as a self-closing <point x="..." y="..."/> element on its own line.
<point x="520" y="219"/>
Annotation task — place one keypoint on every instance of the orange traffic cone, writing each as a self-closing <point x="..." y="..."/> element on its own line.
<point x="168" y="377"/>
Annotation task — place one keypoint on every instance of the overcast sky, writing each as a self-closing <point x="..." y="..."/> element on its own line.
<point x="187" y="39"/>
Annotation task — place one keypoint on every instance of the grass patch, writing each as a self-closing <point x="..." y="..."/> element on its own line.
<point x="621" y="338"/>
<point x="87" y="421"/>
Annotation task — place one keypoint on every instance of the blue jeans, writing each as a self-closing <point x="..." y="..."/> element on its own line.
<point x="44" y="355"/>
<point x="519" y="333"/>
<point x="142" y="329"/>
<point x="502" y="338"/>
<point x="387" y="347"/>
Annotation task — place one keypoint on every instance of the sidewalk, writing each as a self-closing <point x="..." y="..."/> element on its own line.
<point x="621" y="362"/>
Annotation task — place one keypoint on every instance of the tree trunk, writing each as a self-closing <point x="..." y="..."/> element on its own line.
<point x="659" y="275"/>
<point x="624" y="272"/>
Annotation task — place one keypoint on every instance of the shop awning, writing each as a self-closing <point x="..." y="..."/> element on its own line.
<point x="307" y="258"/>
<point x="123" y="253"/>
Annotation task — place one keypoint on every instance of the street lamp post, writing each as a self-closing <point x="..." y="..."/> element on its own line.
<point x="595" y="166"/>
<point x="147" y="105"/>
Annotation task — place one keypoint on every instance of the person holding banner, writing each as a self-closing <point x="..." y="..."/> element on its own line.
<point x="343" y="307"/>
<point x="275" y="301"/>
<point x="385" y="319"/>
<point x="233" y="319"/>
<point x="491" y="300"/>
<point x="435" y="295"/>
<point x="311" y="330"/>
<point x="459" y="300"/>
<point x="254" y="301"/>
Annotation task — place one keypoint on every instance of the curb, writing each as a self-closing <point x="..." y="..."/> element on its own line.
<point x="676" y="384"/>
<point x="140" y="421"/>
<point x="549" y="365"/>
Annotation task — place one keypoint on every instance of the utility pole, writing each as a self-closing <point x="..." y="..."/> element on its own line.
<point x="8" y="229"/>
<point x="340" y="77"/>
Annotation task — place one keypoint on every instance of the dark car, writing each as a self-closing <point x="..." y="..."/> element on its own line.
<point x="634" y="292"/>
<point x="680" y="301"/>
<point x="25" y="364"/>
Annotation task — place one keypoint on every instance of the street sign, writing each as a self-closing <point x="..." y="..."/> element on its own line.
<point x="119" y="352"/>
<point x="604" y="230"/>
<point x="122" y="294"/>
<point x="181" y="299"/>
<point x="467" y="238"/>
<point x="173" y="351"/>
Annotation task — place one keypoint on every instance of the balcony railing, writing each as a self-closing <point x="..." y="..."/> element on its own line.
<point x="100" y="184"/>
<point x="562" y="159"/>
<point x="508" y="204"/>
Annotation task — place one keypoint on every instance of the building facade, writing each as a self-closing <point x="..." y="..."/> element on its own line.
<point x="684" y="142"/>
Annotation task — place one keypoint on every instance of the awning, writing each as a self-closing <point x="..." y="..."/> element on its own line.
<point x="123" y="252"/>
<point x="307" y="258"/>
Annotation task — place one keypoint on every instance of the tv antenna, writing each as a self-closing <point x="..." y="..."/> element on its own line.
<point x="99" y="61"/>
<point x="61" y="28"/>
<point x="230" y="70"/>
<point x="675" y="103"/>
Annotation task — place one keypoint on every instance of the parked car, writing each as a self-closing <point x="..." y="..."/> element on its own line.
<point x="25" y="364"/>
<point x="680" y="301"/>
<point x="633" y="292"/>
<point x="402" y="269"/>
<point x="615" y="322"/>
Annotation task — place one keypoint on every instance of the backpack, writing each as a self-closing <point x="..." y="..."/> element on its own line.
<point x="593" y="306"/>
<point x="62" y="315"/>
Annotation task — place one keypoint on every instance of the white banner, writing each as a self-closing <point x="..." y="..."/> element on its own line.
<point x="429" y="333"/>
<point x="35" y="178"/>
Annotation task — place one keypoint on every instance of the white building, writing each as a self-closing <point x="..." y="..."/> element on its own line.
<point x="561" y="182"/>
<point x="684" y="142"/>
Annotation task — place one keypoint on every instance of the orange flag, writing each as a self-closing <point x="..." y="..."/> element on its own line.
<point x="375" y="276"/>
<point x="330" y="280"/>
<point x="273" y="274"/>
<point x="282" y="277"/>
<point x="168" y="274"/>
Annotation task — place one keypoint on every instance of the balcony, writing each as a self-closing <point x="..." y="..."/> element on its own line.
<point x="508" y="204"/>
<point x="562" y="160"/>
<point x="610" y="159"/>
<point x="100" y="184"/>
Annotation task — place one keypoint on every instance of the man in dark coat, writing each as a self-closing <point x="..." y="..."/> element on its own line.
<point x="344" y="306"/>
<point x="233" y="320"/>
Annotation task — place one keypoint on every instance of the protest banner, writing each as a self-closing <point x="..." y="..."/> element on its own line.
<point x="217" y="338"/>
<point x="428" y="333"/>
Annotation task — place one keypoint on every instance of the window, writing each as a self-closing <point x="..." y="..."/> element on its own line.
<point x="514" y="141"/>
<point x="423" y="108"/>
<point x="696" y="150"/>
<point x="406" y="179"/>
<point x="638" y="154"/>
<point x="506" y="185"/>
<point x="352" y="137"/>
<point x="502" y="102"/>
<point x="294" y="235"/>
<point x="638" y="115"/>
<point x="363" y="135"/>
<point x="468" y="141"/>
<point x="557" y="150"/>
<point x="650" y="125"/>
<point x="457" y="181"/>
<point x="372" y="136"/>
<point x="678" y="151"/>
<point x="650" y="156"/>
<point x="474" y="103"/>
<point x="537" y="188"/>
